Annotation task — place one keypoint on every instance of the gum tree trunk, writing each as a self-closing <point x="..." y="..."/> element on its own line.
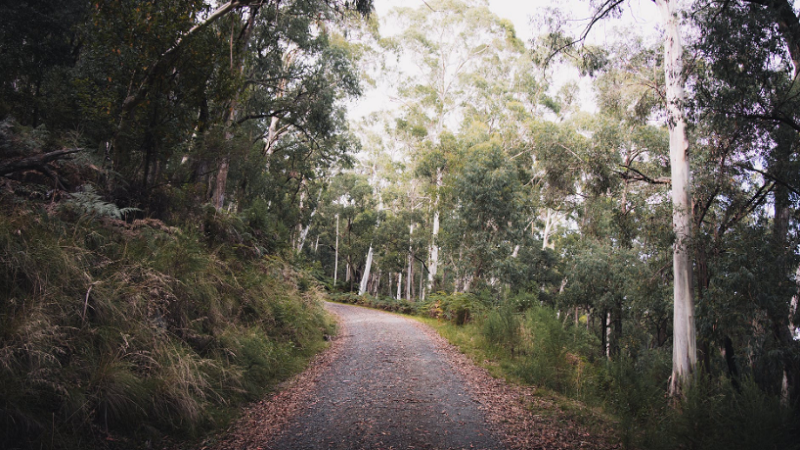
<point x="434" y="258"/>
<point x="684" y="345"/>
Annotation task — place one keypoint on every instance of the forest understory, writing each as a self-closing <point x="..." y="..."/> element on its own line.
<point x="606" y="211"/>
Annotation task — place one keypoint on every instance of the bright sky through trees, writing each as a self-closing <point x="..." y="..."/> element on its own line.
<point x="639" y="14"/>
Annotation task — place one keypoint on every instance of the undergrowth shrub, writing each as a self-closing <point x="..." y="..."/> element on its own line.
<point x="501" y="327"/>
<point x="385" y="303"/>
<point x="716" y="415"/>
<point x="111" y="330"/>
<point x="458" y="308"/>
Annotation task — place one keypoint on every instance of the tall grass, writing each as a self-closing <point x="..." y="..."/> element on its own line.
<point x="107" y="330"/>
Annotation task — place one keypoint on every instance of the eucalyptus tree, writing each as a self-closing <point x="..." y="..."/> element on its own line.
<point x="684" y="333"/>
<point x="445" y="41"/>
<point x="747" y="98"/>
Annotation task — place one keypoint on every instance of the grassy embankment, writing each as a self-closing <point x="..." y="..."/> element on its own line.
<point x="625" y="397"/>
<point x="116" y="334"/>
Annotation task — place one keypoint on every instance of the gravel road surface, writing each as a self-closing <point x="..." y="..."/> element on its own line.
<point x="389" y="388"/>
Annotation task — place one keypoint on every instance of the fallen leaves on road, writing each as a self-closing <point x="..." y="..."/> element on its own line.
<point x="523" y="419"/>
<point x="263" y="421"/>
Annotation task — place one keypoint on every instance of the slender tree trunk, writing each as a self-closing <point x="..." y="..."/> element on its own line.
<point x="221" y="182"/>
<point x="684" y="346"/>
<point x="400" y="284"/>
<point x="362" y="289"/>
<point x="304" y="231"/>
<point x="548" y="228"/>
<point x="421" y="281"/>
<point x="410" y="271"/>
<point x="434" y="253"/>
<point x="607" y="333"/>
<point x="336" y="258"/>
<point x="136" y="96"/>
<point x="377" y="283"/>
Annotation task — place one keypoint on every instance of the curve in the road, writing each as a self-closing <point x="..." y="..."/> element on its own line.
<point x="390" y="388"/>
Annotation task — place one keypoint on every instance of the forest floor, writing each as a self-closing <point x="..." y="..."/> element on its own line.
<point x="390" y="382"/>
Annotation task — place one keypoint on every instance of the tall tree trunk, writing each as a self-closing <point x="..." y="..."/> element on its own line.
<point x="548" y="229"/>
<point x="362" y="289"/>
<point x="336" y="258"/>
<point x="434" y="251"/>
<point x="684" y="346"/>
<point x="400" y="284"/>
<point x="304" y="232"/>
<point x="218" y="197"/>
<point x="421" y="281"/>
<point x="410" y="272"/>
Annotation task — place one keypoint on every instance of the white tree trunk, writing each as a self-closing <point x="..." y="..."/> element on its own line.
<point x="364" y="278"/>
<point x="434" y="253"/>
<point x="409" y="274"/>
<point x="400" y="285"/>
<point x="607" y="331"/>
<point x="304" y="232"/>
<point x="548" y="229"/>
<point x="336" y="260"/>
<point x="684" y="345"/>
<point x="421" y="291"/>
<point x="467" y="283"/>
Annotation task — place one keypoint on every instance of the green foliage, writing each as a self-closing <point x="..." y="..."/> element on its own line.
<point x="123" y="331"/>
<point x="458" y="308"/>
<point x="88" y="202"/>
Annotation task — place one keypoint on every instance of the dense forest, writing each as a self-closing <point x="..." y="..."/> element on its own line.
<point x="182" y="186"/>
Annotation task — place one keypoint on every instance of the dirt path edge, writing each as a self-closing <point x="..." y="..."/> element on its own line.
<point x="262" y="421"/>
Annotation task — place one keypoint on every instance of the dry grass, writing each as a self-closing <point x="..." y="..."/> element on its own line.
<point x="110" y="331"/>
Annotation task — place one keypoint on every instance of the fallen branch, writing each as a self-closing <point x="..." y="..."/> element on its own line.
<point x="37" y="162"/>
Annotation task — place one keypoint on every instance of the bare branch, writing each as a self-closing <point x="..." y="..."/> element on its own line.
<point x="37" y="162"/>
<point x="639" y="176"/>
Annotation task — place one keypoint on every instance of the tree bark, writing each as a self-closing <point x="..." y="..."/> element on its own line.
<point x="362" y="289"/>
<point x="434" y="263"/>
<point x="410" y="273"/>
<point x="336" y="258"/>
<point x="400" y="284"/>
<point x="684" y="346"/>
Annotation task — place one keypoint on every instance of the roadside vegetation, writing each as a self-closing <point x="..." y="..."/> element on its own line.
<point x="153" y="189"/>
<point x="623" y="398"/>
<point x="130" y="331"/>
<point x="177" y="177"/>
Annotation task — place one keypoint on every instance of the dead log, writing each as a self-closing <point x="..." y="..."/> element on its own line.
<point x="38" y="163"/>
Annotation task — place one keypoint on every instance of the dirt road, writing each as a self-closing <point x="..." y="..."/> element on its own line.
<point x="389" y="388"/>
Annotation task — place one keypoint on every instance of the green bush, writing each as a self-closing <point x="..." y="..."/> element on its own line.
<point x="458" y="308"/>
<point x="501" y="328"/>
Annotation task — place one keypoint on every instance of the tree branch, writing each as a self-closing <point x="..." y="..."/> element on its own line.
<point x="37" y="162"/>
<point x="639" y="176"/>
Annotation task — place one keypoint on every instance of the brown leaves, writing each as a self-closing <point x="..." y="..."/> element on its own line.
<point x="263" y="421"/>
<point x="523" y="417"/>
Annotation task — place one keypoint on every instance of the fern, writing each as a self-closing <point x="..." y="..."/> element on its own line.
<point x="89" y="203"/>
